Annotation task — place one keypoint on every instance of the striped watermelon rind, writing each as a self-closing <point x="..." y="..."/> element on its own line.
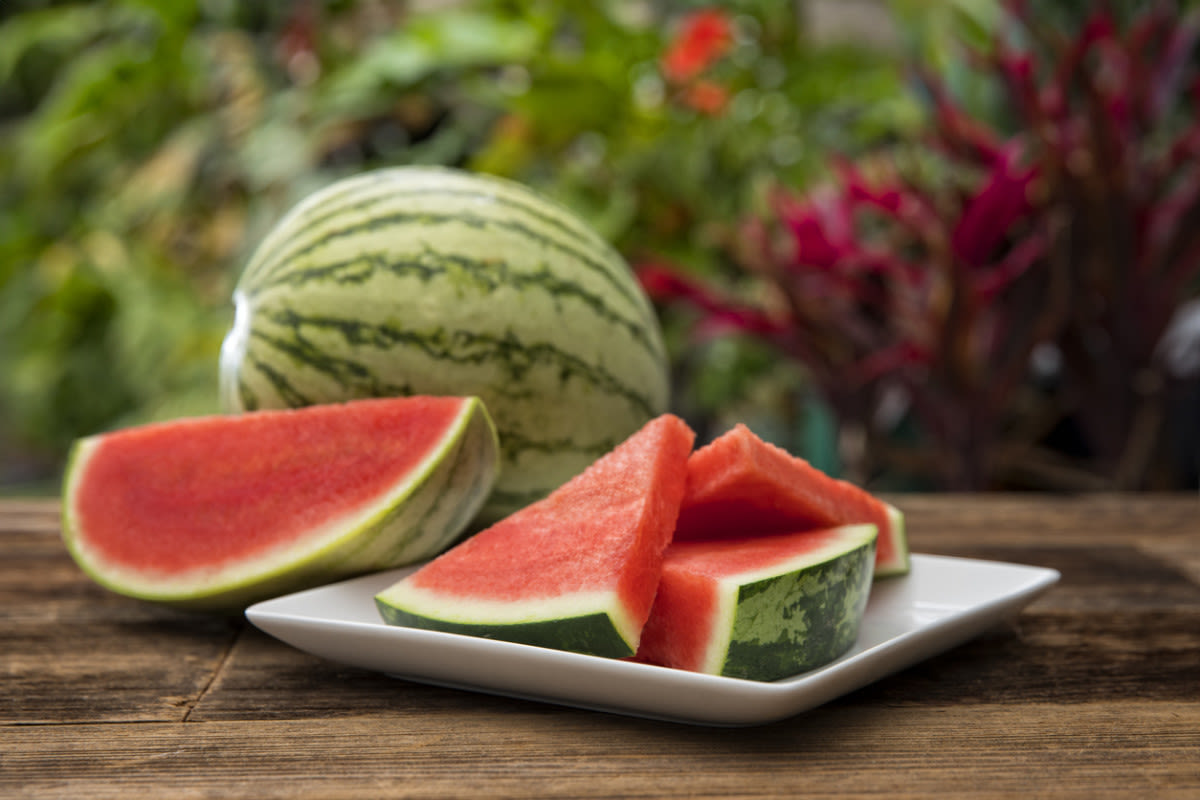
<point x="575" y="571"/>
<point x="769" y="622"/>
<point x="419" y="517"/>
<point x="418" y="280"/>
<point x="592" y="623"/>
<point x="818" y="603"/>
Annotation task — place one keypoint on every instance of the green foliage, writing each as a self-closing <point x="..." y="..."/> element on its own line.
<point x="593" y="120"/>
<point x="991" y="304"/>
<point x="146" y="147"/>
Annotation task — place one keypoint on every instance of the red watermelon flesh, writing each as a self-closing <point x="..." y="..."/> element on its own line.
<point x="577" y="570"/>
<point x="741" y="486"/>
<point x="212" y="512"/>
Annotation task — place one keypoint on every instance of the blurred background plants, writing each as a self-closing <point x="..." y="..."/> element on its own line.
<point x="146" y="147"/>
<point x="1007" y="299"/>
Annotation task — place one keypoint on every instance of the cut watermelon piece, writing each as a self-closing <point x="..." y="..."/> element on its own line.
<point x="575" y="571"/>
<point x="763" y="608"/>
<point x="214" y="513"/>
<point x="741" y="486"/>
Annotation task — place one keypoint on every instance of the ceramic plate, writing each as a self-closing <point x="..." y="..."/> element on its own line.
<point x="943" y="602"/>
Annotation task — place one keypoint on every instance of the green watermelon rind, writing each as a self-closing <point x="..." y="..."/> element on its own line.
<point x="421" y="516"/>
<point x="797" y="615"/>
<point x="592" y="634"/>
<point x="535" y="313"/>
<point x="594" y="623"/>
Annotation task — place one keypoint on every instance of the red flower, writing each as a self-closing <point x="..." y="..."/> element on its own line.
<point x="707" y="97"/>
<point x="703" y="37"/>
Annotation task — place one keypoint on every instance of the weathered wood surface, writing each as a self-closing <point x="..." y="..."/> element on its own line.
<point x="1093" y="691"/>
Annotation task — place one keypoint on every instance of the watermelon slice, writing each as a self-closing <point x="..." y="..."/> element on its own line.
<point x="214" y="513"/>
<point x="763" y="608"/>
<point x="575" y="571"/>
<point x="741" y="486"/>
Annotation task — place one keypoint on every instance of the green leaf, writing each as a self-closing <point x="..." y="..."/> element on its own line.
<point x="430" y="45"/>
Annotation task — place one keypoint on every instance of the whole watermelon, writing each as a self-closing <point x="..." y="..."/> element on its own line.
<point x="419" y="280"/>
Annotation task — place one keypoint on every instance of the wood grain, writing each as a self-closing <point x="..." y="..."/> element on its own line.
<point x="1118" y="750"/>
<point x="1093" y="691"/>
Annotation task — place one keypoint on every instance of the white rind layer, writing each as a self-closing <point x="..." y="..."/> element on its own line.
<point x="899" y="536"/>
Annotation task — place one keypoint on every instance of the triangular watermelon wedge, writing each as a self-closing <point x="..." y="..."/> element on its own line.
<point x="214" y="513"/>
<point x="739" y="486"/>
<point x="762" y="608"/>
<point x="577" y="570"/>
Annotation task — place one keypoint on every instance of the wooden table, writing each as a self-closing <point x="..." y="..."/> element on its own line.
<point x="1093" y="691"/>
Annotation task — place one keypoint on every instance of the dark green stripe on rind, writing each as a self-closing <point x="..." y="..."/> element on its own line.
<point x="355" y="378"/>
<point x="504" y="350"/>
<point x="791" y="623"/>
<point x="292" y="398"/>
<point x="299" y="217"/>
<point x="361" y="200"/>
<point x="591" y="634"/>
<point x="614" y="273"/>
<point x="486" y="276"/>
<point x="421" y="187"/>
<point x="247" y="397"/>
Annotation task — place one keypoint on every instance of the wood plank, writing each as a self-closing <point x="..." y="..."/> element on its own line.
<point x="1098" y="577"/>
<point x="1119" y="749"/>
<point x="265" y="679"/>
<point x="71" y="651"/>
<point x="1052" y="657"/>
<point x="21" y="515"/>
<point x="1044" y="656"/>
<point x="1091" y="692"/>
<point x="143" y="667"/>
<point x="136" y="661"/>
<point x="937" y="522"/>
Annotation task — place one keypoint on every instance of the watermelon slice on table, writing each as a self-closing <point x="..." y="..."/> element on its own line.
<point x="577" y="570"/>
<point x="762" y="608"/>
<point x="214" y="513"/>
<point x="741" y="486"/>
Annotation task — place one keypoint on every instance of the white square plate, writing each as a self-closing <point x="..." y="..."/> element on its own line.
<point x="942" y="603"/>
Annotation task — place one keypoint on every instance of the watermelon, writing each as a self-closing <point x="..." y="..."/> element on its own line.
<point x="215" y="513"/>
<point x="420" y="280"/>
<point x="739" y="485"/>
<point x="576" y="570"/>
<point x="762" y="608"/>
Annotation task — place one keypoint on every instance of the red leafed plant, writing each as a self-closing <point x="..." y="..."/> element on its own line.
<point x="1004" y="295"/>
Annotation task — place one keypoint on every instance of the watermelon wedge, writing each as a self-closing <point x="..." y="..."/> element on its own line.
<point x="741" y="486"/>
<point x="575" y="571"/>
<point x="763" y="608"/>
<point x="214" y="513"/>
